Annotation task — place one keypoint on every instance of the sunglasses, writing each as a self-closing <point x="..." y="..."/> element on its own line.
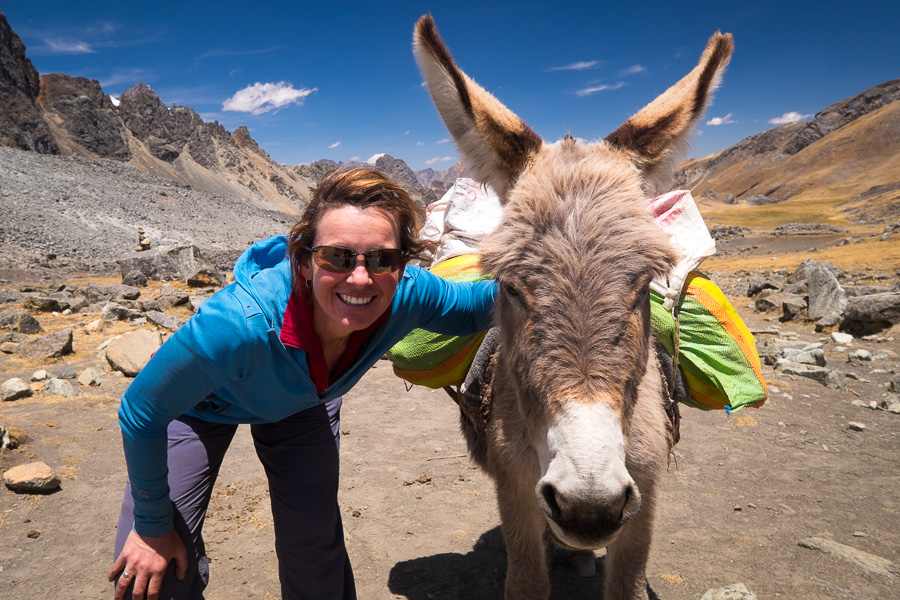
<point x="336" y="259"/>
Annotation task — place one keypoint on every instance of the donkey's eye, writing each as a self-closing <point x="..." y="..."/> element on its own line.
<point x="513" y="294"/>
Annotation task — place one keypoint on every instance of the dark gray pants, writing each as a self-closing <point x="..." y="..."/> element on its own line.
<point x="300" y="456"/>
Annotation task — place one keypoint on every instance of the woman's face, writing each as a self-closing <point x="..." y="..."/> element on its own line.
<point x="348" y="302"/>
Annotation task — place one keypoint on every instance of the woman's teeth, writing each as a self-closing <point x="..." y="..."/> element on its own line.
<point x="354" y="300"/>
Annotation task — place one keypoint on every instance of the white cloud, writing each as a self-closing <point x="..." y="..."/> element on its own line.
<point x="598" y="88"/>
<point x="372" y="159"/>
<point x="722" y="120"/>
<point x="420" y="143"/>
<point x="577" y="66"/>
<point x="336" y="144"/>
<point x="438" y="159"/>
<point x="354" y="159"/>
<point x="261" y="98"/>
<point x="789" y="117"/>
<point x="444" y="141"/>
<point x="632" y="70"/>
<point x="67" y="46"/>
<point x="406" y="132"/>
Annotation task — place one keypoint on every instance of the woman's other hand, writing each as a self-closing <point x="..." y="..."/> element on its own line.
<point x="144" y="561"/>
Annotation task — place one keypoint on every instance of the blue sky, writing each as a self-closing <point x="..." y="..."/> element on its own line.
<point x="337" y="80"/>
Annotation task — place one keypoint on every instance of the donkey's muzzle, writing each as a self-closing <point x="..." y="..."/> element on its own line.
<point x="587" y="520"/>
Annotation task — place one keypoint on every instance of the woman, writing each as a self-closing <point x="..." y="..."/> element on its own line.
<point x="305" y="319"/>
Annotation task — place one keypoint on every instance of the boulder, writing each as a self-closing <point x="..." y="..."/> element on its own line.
<point x="802" y="272"/>
<point x="36" y="477"/>
<point x="135" y="278"/>
<point x="19" y="320"/>
<point x="756" y="285"/>
<point x="164" y="320"/>
<point x="95" y="293"/>
<point x="819" y="374"/>
<point x="874" y="308"/>
<point x="116" y="312"/>
<point x="184" y="263"/>
<point x="52" y="345"/>
<point x="826" y="296"/>
<point x="44" y="304"/>
<point x="131" y="352"/>
<point x="13" y="389"/>
<point x="60" y="387"/>
<point x="793" y="307"/>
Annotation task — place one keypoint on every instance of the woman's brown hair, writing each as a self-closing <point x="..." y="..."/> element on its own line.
<point x="362" y="188"/>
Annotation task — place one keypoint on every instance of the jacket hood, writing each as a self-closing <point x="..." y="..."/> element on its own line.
<point x="264" y="270"/>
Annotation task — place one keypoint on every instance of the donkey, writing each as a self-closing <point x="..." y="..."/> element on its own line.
<point x="577" y="435"/>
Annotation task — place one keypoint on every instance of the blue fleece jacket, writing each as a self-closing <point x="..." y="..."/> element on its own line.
<point x="228" y="365"/>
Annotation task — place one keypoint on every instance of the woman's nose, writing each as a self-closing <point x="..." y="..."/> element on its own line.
<point x="359" y="274"/>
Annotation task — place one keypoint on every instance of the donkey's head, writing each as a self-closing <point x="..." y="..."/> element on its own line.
<point x="574" y="257"/>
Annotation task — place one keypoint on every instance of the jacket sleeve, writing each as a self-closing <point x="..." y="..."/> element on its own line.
<point x="206" y="353"/>
<point x="451" y="307"/>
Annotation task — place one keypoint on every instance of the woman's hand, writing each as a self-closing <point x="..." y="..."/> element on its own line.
<point x="144" y="561"/>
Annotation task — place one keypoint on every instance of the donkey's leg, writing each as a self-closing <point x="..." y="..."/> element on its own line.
<point x="625" y="576"/>
<point x="523" y="524"/>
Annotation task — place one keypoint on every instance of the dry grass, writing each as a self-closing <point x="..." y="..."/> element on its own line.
<point x="880" y="256"/>
<point x="796" y="210"/>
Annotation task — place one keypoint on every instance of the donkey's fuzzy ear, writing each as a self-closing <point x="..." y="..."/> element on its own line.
<point x="495" y="142"/>
<point x="658" y="134"/>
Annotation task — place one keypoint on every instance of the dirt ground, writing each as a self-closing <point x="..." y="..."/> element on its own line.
<point x="421" y="521"/>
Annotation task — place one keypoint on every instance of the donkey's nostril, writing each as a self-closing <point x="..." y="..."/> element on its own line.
<point x="548" y="493"/>
<point x="631" y="503"/>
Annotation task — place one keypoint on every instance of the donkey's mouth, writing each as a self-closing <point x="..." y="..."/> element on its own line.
<point x="584" y="524"/>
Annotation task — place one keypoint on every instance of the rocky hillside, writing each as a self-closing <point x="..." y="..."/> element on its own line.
<point x="72" y="116"/>
<point x="847" y="154"/>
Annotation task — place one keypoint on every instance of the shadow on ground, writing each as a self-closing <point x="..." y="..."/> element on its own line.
<point x="479" y="575"/>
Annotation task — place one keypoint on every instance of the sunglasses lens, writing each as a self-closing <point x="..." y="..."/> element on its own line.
<point x="334" y="259"/>
<point x="379" y="262"/>
<point x="342" y="260"/>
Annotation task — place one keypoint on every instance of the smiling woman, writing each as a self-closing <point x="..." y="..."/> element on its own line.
<point x="307" y="316"/>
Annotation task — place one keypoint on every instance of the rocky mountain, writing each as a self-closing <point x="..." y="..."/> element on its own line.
<point x="21" y="122"/>
<point x="72" y="116"/>
<point x="441" y="181"/>
<point x="846" y="155"/>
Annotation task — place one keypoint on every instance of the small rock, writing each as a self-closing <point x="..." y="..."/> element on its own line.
<point x="89" y="377"/>
<point x="736" y="591"/>
<point x="841" y="338"/>
<point x="31" y="478"/>
<point x="95" y="326"/>
<point x="13" y="389"/>
<point x="859" y="356"/>
<point x="33" y="534"/>
<point x="855" y="426"/>
<point x="894" y="408"/>
<point x="40" y="375"/>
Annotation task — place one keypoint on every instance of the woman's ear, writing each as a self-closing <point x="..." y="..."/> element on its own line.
<point x="305" y="266"/>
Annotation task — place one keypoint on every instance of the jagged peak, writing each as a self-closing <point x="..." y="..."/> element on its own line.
<point x="137" y="90"/>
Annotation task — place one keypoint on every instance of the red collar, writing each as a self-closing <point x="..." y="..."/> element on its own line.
<point x="297" y="332"/>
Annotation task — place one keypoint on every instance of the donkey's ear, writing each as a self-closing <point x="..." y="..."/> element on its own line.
<point x="495" y="142"/>
<point x="658" y="135"/>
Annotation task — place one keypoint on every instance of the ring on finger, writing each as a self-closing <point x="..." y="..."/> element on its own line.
<point x="126" y="575"/>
